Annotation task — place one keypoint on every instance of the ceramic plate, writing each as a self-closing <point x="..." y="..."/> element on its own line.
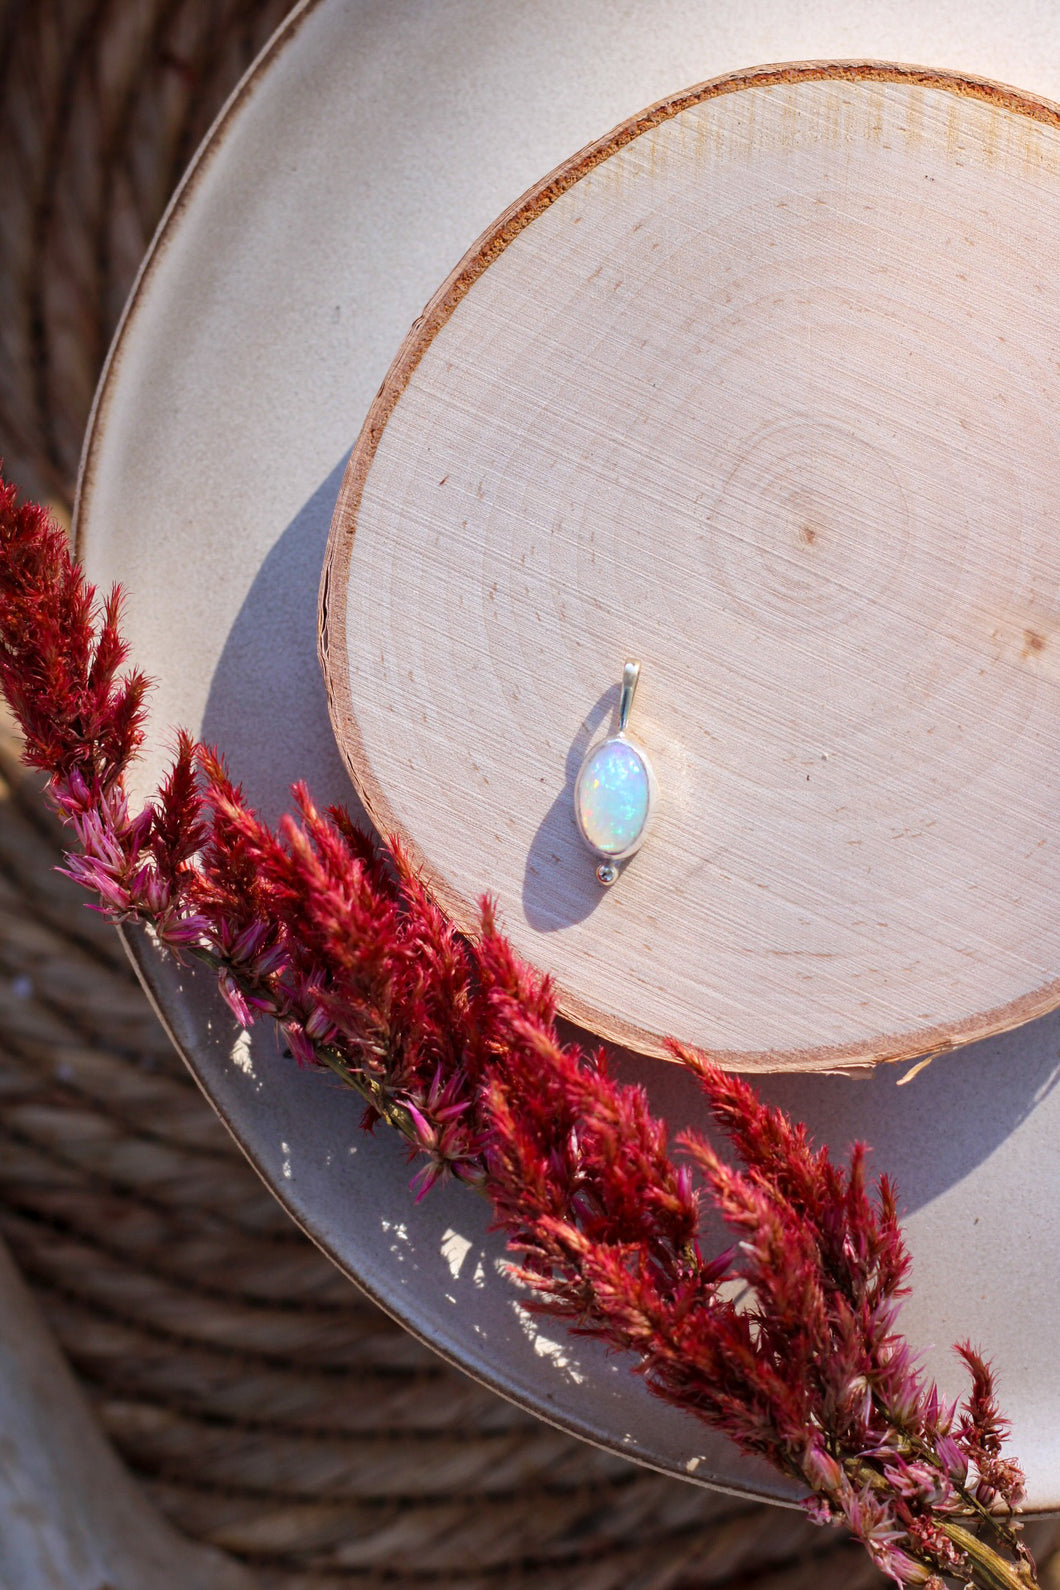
<point x="360" y="158"/>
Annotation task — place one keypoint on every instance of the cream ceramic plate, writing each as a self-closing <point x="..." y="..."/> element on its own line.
<point x="358" y="162"/>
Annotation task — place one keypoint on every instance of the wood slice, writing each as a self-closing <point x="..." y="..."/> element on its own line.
<point x="764" y="390"/>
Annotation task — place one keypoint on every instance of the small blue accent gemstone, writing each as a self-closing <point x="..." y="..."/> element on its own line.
<point x="612" y="797"/>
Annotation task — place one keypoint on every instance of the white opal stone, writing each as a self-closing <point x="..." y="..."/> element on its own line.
<point x="613" y="797"/>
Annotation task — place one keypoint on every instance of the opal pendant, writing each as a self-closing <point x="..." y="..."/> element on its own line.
<point x="615" y="791"/>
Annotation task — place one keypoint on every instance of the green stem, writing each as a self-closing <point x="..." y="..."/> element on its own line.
<point x="994" y="1571"/>
<point x="393" y="1113"/>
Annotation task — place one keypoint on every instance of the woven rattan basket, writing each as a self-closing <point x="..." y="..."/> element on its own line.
<point x="264" y="1405"/>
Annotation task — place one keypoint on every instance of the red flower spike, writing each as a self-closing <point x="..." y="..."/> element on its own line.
<point x="455" y="1043"/>
<point x="58" y="666"/>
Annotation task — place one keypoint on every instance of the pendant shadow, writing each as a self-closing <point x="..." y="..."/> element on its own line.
<point x="559" y="881"/>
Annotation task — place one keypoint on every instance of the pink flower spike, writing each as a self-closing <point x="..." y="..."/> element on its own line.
<point x="114" y="895"/>
<point x="822" y="1470"/>
<point x="428" y="1176"/>
<point x="425" y="1131"/>
<point x="319" y="1025"/>
<point x="953" y="1460"/>
<point x="183" y="932"/>
<point x="235" y="999"/>
<point x="820" y="1511"/>
<point x="300" y="1046"/>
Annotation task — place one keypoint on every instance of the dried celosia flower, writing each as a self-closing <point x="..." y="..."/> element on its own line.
<point x="455" y="1044"/>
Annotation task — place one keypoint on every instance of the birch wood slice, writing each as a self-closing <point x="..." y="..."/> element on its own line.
<point x="763" y="390"/>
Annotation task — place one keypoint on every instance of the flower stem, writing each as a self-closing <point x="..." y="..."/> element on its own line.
<point x="992" y="1570"/>
<point x="370" y="1088"/>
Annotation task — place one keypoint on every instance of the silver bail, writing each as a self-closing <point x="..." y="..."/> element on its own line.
<point x="630" y="675"/>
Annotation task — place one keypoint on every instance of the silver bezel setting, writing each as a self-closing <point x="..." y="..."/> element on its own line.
<point x="608" y="871"/>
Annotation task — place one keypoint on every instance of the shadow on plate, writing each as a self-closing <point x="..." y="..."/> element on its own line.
<point x="267" y="709"/>
<point x="927" y="1135"/>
